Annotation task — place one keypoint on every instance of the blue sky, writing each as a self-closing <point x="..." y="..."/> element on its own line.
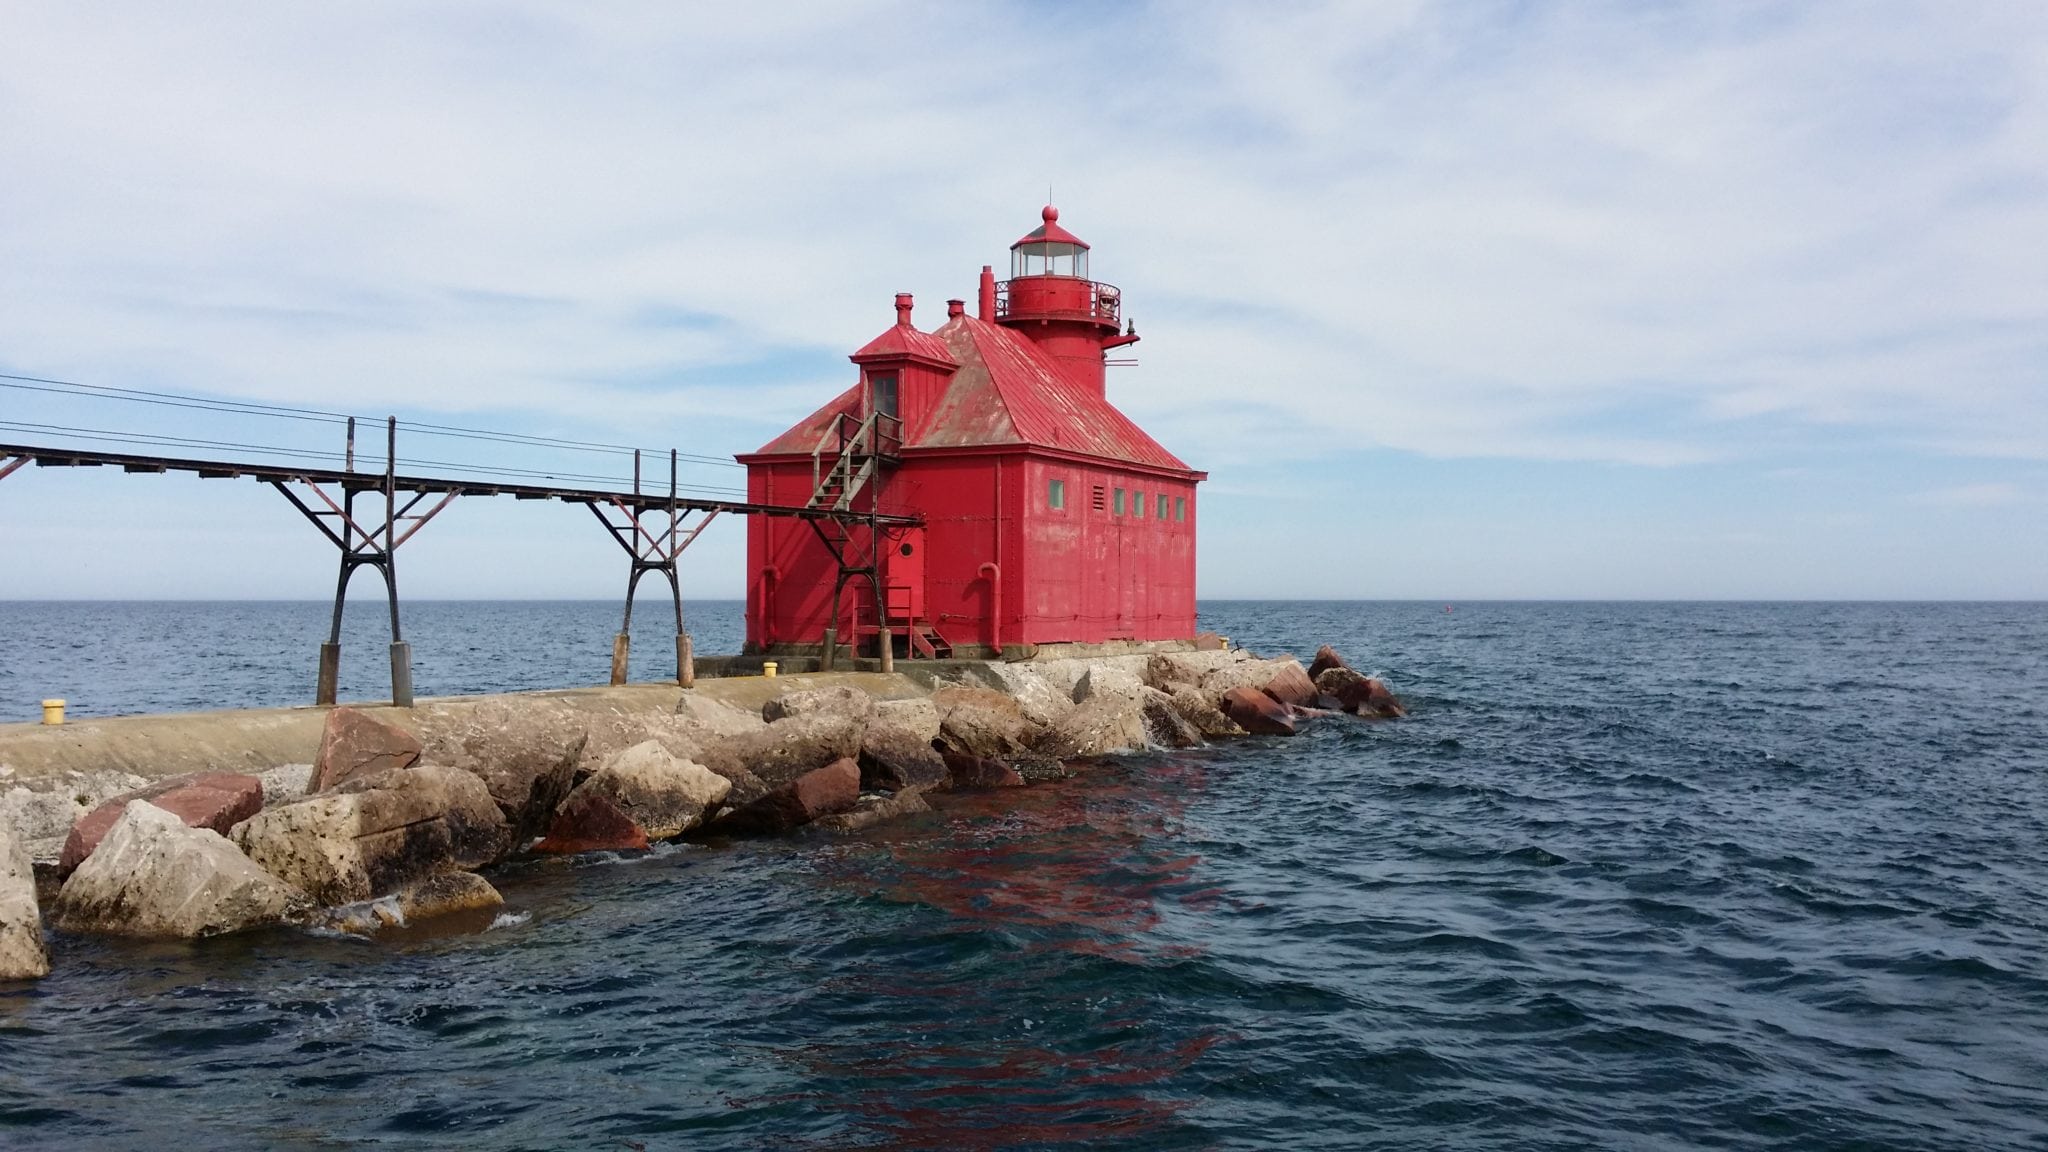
<point x="1453" y="300"/>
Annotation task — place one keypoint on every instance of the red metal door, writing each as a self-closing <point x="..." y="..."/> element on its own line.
<point x="903" y="579"/>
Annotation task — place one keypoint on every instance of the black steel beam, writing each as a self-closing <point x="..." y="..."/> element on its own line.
<point x="375" y="481"/>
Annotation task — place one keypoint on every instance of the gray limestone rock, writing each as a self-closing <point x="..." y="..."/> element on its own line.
<point x="23" y="955"/>
<point x="378" y="834"/>
<point x="153" y="876"/>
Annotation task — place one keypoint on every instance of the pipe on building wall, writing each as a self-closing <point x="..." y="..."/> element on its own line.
<point x="771" y="575"/>
<point x="993" y="573"/>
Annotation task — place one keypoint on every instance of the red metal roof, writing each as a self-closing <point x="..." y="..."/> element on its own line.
<point x="1050" y="232"/>
<point x="904" y="340"/>
<point x="1006" y="392"/>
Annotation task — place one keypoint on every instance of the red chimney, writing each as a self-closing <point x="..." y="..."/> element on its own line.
<point x="903" y="309"/>
<point x="988" y="293"/>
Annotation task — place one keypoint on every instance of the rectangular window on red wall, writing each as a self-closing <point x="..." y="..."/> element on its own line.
<point x="1056" y="494"/>
<point x="1138" y="505"/>
<point x="1162" y="506"/>
<point x="1180" y="508"/>
<point x="1116" y="504"/>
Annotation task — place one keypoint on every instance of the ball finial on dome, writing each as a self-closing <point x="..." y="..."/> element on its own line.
<point x="1050" y="214"/>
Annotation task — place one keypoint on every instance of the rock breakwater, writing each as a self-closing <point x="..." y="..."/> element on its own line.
<point x="397" y="812"/>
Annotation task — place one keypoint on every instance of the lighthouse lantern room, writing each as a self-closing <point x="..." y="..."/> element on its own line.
<point x="1043" y="514"/>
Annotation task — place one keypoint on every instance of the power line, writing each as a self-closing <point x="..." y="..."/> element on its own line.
<point x="168" y="400"/>
<point x="288" y="412"/>
<point x="160" y="440"/>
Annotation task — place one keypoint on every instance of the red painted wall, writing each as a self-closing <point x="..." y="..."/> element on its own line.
<point x="1077" y="574"/>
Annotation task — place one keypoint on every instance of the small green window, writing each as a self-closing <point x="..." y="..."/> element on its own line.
<point x="1117" y="503"/>
<point x="1056" y="494"/>
<point x="1138" y="505"/>
<point x="1180" y="507"/>
<point x="1162" y="505"/>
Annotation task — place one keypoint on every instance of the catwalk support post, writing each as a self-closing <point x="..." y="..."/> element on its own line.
<point x="365" y="542"/>
<point x="627" y="520"/>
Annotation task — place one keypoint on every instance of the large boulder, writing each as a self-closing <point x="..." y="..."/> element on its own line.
<point x="525" y="755"/>
<point x="439" y="895"/>
<point x="904" y="802"/>
<point x="1039" y="696"/>
<point x="820" y="792"/>
<point x="803" y="702"/>
<point x="286" y="782"/>
<point x="983" y="722"/>
<point x="1165" y="727"/>
<point x="780" y="752"/>
<point x="659" y="796"/>
<point x="375" y="835"/>
<point x="968" y="771"/>
<point x="1326" y="658"/>
<point x="1290" y="685"/>
<point x="1104" y="679"/>
<point x="918" y="717"/>
<point x="1104" y="724"/>
<point x="153" y="876"/>
<point x="43" y="812"/>
<point x="216" y="800"/>
<point x="1201" y="713"/>
<point x="23" y="955"/>
<point x="1249" y="672"/>
<point x="1363" y="695"/>
<point x="896" y="749"/>
<point x="1165" y="670"/>
<point x="1258" y="713"/>
<point x="610" y="733"/>
<point x="591" y="822"/>
<point x="354" y="745"/>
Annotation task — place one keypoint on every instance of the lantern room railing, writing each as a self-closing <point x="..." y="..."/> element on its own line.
<point x="1090" y="300"/>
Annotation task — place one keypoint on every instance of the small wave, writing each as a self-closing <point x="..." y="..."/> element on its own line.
<point x="1539" y="857"/>
<point x="508" y="920"/>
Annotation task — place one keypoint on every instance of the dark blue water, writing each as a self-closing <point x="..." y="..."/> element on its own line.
<point x="1630" y="875"/>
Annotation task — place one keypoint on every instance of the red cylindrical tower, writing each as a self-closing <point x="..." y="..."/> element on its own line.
<point x="1050" y="299"/>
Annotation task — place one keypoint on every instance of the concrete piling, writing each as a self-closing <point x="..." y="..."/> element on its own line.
<point x="330" y="674"/>
<point x="622" y="649"/>
<point x="401" y="674"/>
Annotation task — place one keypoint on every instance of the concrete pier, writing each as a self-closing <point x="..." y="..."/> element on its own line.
<point x="254" y="740"/>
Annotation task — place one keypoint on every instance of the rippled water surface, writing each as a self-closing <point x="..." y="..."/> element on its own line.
<point x="1630" y="875"/>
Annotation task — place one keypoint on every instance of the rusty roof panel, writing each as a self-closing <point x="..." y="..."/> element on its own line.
<point x="1005" y="392"/>
<point x="1038" y="403"/>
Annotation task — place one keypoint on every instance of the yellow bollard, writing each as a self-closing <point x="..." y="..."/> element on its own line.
<point x="53" y="711"/>
<point x="768" y="668"/>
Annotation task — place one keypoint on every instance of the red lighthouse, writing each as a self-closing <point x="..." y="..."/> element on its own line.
<point x="1045" y="515"/>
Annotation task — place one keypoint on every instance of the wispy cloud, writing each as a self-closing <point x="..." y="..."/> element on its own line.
<point x="1454" y="229"/>
<point x="1988" y="495"/>
<point x="1643" y="235"/>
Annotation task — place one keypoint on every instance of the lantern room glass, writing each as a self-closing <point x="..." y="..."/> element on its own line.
<point x="1049" y="259"/>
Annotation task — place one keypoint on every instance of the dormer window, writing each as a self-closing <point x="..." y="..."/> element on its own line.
<point x="882" y="392"/>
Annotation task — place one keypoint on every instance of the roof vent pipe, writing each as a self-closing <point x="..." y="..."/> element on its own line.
<point x="956" y="308"/>
<point x="988" y="293"/>
<point x="903" y="309"/>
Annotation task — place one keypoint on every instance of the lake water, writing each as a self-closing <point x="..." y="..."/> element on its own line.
<point x="1657" y="876"/>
